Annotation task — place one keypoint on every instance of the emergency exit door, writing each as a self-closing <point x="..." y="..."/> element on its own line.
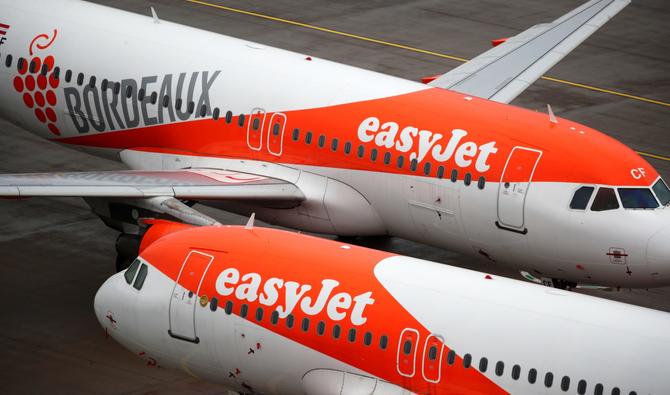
<point x="184" y="297"/>
<point x="513" y="188"/>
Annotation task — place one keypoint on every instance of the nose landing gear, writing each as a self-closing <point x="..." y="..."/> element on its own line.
<point x="550" y="282"/>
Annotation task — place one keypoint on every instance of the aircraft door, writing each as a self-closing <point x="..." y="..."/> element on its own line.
<point x="184" y="297"/>
<point x="432" y="358"/>
<point x="255" y="129"/>
<point x="276" y="133"/>
<point x="514" y="184"/>
<point x="406" y="358"/>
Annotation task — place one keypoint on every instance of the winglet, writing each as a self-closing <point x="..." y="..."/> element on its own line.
<point x="552" y="117"/>
<point x="250" y="222"/>
<point x="154" y="15"/>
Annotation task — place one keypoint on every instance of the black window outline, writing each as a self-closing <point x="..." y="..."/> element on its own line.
<point x="367" y="338"/>
<point x="216" y="113"/>
<point x="440" y="172"/>
<point x="274" y="317"/>
<point x="581" y="387"/>
<point x="91" y="81"/>
<point x="383" y="342"/>
<point x="190" y="107"/>
<point x="229" y="117"/>
<point x="407" y="347"/>
<point x="467" y="179"/>
<point x="347" y="148"/>
<point x="228" y="308"/>
<point x="244" y="310"/>
<point x="598" y="389"/>
<point x="616" y="391"/>
<point x="454" y="175"/>
<point x="413" y="165"/>
<point x="483" y="364"/>
<point x="321" y="141"/>
<point x="203" y="110"/>
<point x="321" y="328"/>
<point x="548" y="379"/>
<point x="467" y="361"/>
<point x="80" y="79"/>
<point x="178" y="103"/>
<point x="304" y="324"/>
<point x="351" y="335"/>
<point x="387" y="158"/>
<point x="8" y="61"/>
<point x="214" y="303"/>
<point x="337" y="331"/>
<point x="427" y="167"/>
<point x="154" y="97"/>
<point x="45" y="69"/>
<point x="432" y="353"/>
<point x="373" y="154"/>
<point x="240" y="120"/>
<point x="19" y="63"/>
<point x="131" y="271"/>
<point x="255" y="123"/>
<point x="32" y="66"/>
<point x="590" y="189"/>
<point x="259" y="314"/>
<point x="516" y="372"/>
<point x="451" y="357"/>
<point x="532" y="375"/>
<point x="296" y="134"/>
<point x="141" y="94"/>
<point x="481" y="182"/>
<point x="333" y="144"/>
<point x="565" y="383"/>
<point x="400" y="162"/>
<point x="141" y="277"/>
<point x="360" y="151"/>
<point x="663" y="188"/>
<point x="500" y="368"/>
<point x="308" y="137"/>
<point x="290" y="321"/>
<point x="129" y="91"/>
<point x="56" y="73"/>
<point x="68" y="76"/>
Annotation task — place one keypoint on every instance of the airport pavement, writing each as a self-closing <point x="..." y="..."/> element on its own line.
<point x="54" y="254"/>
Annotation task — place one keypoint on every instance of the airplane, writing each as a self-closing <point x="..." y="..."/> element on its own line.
<point x="323" y="147"/>
<point x="262" y="310"/>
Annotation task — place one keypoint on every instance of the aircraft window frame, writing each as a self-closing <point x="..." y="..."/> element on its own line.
<point x="140" y="94"/>
<point x="8" y="60"/>
<point x="290" y="321"/>
<point x="259" y="314"/>
<point x="296" y="134"/>
<point x="481" y="183"/>
<point x="203" y="111"/>
<point x="275" y="128"/>
<point x="274" y="317"/>
<point x="91" y="81"/>
<point x="129" y="91"/>
<point x="213" y="303"/>
<point x="80" y="79"/>
<point x="427" y="167"/>
<point x="337" y="331"/>
<point x="308" y="137"/>
<point x="628" y="196"/>
<point x="548" y="379"/>
<point x="400" y="161"/>
<point x="45" y="69"/>
<point x="166" y="101"/>
<point x="373" y="154"/>
<point x="451" y="357"/>
<point x="241" y="120"/>
<point x="351" y="335"/>
<point x="321" y="141"/>
<point x="467" y="361"/>
<point x="440" y="172"/>
<point x="383" y="342"/>
<point x="132" y="271"/>
<point x="413" y="165"/>
<point x="32" y="66"/>
<point x="141" y="277"/>
<point x="229" y="117"/>
<point x="599" y="389"/>
<point x="333" y="145"/>
<point x="516" y="372"/>
<point x="256" y="124"/>
<point x="68" y="76"/>
<point x="578" y="194"/>
<point x="347" y="147"/>
<point x="500" y="368"/>
<point x="56" y="73"/>
<point x="616" y="391"/>
<point x="154" y="97"/>
<point x="483" y="364"/>
<point x="321" y="328"/>
<point x="360" y="151"/>
<point x="19" y="64"/>
<point x="665" y="199"/>
<point x="190" y="107"/>
<point x="304" y="324"/>
<point x="467" y="179"/>
<point x="581" y="387"/>
<point x="407" y="347"/>
<point x="608" y="204"/>
<point x="216" y="113"/>
<point x="244" y="310"/>
<point x="228" y="308"/>
<point x="432" y="353"/>
<point x="367" y="338"/>
<point x="565" y="383"/>
<point x="387" y="158"/>
<point x="532" y="375"/>
<point x="454" y="175"/>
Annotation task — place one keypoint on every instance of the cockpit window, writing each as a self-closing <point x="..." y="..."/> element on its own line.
<point x="130" y="272"/>
<point x="662" y="192"/>
<point x="139" y="281"/>
<point x="581" y="198"/>
<point x="605" y="200"/>
<point x="637" y="198"/>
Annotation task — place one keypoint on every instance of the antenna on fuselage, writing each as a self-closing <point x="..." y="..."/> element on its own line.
<point x="250" y="222"/>
<point x="552" y="117"/>
<point x="154" y="15"/>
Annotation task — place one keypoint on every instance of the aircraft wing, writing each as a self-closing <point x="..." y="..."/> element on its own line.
<point x="503" y="72"/>
<point x="195" y="184"/>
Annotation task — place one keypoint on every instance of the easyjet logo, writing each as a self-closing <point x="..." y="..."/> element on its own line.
<point x="286" y="296"/>
<point x="420" y="143"/>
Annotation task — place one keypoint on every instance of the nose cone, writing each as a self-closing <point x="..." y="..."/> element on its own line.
<point x="103" y="303"/>
<point x="658" y="254"/>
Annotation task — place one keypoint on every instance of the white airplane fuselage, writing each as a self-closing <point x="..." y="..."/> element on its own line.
<point x="165" y="96"/>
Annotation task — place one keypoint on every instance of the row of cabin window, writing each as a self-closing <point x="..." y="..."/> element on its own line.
<point x="631" y="198"/>
<point x="305" y="324"/>
<point x="374" y="154"/>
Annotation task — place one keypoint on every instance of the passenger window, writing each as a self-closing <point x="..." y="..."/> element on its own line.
<point x="565" y="383"/>
<point x="8" y="61"/>
<point x="56" y="73"/>
<point x="274" y="317"/>
<point x="367" y="338"/>
<point x="500" y="368"/>
<point x="347" y="148"/>
<point x="80" y="79"/>
<point x="581" y="387"/>
<point x="191" y="107"/>
<point x="229" y="116"/>
<point x="140" y="94"/>
<point x="244" y="310"/>
<point x="598" y="389"/>
<point x="616" y="391"/>
<point x="413" y="164"/>
<point x="296" y="134"/>
<point x="426" y="169"/>
<point x="213" y="304"/>
<point x="548" y="379"/>
<point x="401" y="161"/>
<point x="454" y="175"/>
<point x="483" y="364"/>
<point x="20" y="65"/>
<point x="333" y="145"/>
<point x="130" y="272"/>
<point x="289" y="321"/>
<point x="581" y="198"/>
<point x="481" y="182"/>
<point x="662" y="192"/>
<point x="177" y="103"/>
<point x="336" y="331"/>
<point x="308" y="138"/>
<point x="451" y="357"/>
<point x="407" y="347"/>
<point x="255" y="124"/>
<point x="373" y="154"/>
<point x="387" y="158"/>
<point x="33" y="66"/>
<point x="321" y="141"/>
<point x="154" y="97"/>
<point x="352" y="335"/>
<point x="229" y="307"/>
<point x="516" y="372"/>
<point x="305" y="324"/>
<point x="259" y="314"/>
<point x="361" y="151"/>
<point x="91" y="82"/>
<point x="532" y="376"/>
<point x="215" y="114"/>
<point x="129" y="91"/>
<point x="605" y="200"/>
<point x="45" y="70"/>
<point x="467" y="360"/>
<point x="440" y="172"/>
<point x="432" y="353"/>
<point x="203" y="110"/>
<point x="383" y="342"/>
<point x="321" y="328"/>
<point x="166" y="101"/>
<point x="117" y="87"/>
<point x="240" y="120"/>
<point x="467" y="179"/>
<point x="141" y="276"/>
<point x="275" y="129"/>
<point x="68" y="76"/>
<point x="637" y="198"/>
